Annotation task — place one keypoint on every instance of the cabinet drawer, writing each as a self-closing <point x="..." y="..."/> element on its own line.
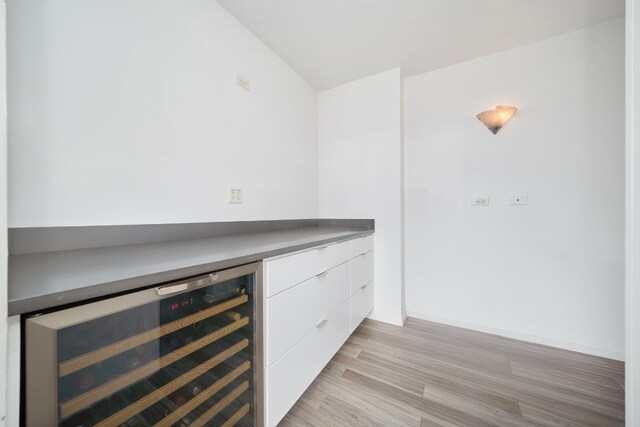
<point x="360" y="246"/>
<point x="283" y="273"/>
<point x="291" y="314"/>
<point x="332" y="255"/>
<point x="361" y="271"/>
<point x="361" y="305"/>
<point x="290" y="376"/>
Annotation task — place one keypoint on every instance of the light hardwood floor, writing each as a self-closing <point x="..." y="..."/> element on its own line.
<point x="428" y="374"/>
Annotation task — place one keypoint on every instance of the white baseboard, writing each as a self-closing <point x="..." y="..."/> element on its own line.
<point x="522" y="337"/>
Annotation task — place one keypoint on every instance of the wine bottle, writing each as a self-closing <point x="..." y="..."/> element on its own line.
<point x="178" y="398"/>
<point x="194" y="389"/>
<point x="131" y="362"/>
<point x="71" y="346"/>
<point x="132" y="359"/>
<point x="136" y="421"/>
<point x="184" y="422"/>
<point x="85" y="378"/>
<point x="77" y="383"/>
<point x="232" y="315"/>
<point x="179" y="339"/>
<point x="214" y="294"/>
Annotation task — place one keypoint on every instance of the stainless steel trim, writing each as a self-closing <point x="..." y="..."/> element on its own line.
<point x="187" y="286"/>
<point x="321" y="324"/>
<point x="83" y="313"/>
<point x="41" y="372"/>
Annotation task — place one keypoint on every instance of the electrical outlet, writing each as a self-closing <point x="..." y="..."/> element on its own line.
<point x="235" y="195"/>
<point x="480" y="201"/>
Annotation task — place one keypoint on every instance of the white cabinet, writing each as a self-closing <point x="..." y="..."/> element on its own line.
<point x="290" y="376"/>
<point x="332" y="255"/>
<point x="314" y="300"/>
<point x="361" y="305"/>
<point x="290" y="315"/>
<point x="360" y="246"/>
<point x="361" y="271"/>
<point x="286" y="271"/>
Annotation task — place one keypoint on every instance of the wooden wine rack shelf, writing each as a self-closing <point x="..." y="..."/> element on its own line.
<point x="237" y="416"/>
<point x="88" y="359"/>
<point x="220" y="405"/>
<point x="204" y="395"/>
<point x="142" y="404"/>
<point x="84" y="400"/>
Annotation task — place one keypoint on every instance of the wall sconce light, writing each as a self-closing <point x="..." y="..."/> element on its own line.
<point x="495" y="119"/>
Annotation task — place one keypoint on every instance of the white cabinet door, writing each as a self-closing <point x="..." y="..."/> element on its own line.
<point x="361" y="245"/>
<point x="361" y="271"/>
<point x="290" y="376"/>
<point x="333" y="255"/>
<point x="285" y="272"/>
<point x="281" y="273"/>
<point x="361" y="305"/>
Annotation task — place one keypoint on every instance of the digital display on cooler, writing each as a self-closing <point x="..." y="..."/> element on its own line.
<point x="174" y="306"/>
<point x="177" y="305"/>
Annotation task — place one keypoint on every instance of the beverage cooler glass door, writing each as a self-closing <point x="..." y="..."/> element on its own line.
<point x="183" y="354"/>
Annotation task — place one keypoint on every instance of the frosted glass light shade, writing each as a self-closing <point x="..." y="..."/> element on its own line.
<point x="495" y="119"/>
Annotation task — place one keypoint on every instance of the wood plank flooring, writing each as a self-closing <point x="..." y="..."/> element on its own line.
<point x="428" y="374"/>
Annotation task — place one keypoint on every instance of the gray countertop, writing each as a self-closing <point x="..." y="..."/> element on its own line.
<point x="39" y="281"/>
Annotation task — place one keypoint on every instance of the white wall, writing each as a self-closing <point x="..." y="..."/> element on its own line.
<point x="127" y="112"/>
<point x="3" y="216"/>
<point x="632" y="293"/>
<point x="359" y="137"/>
<point x="552" y="271"/>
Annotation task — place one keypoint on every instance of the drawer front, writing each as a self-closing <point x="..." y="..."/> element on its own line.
<point x="361" y="305"/>
<point x="283" y="273"/>
<point x="334" y="289"/>
<point x="333" y="255"/>
<point x="360" y="246"/>
<point x="290" y="376"/>
<point x="361" y="271"/>
<point x="293" y="313"/>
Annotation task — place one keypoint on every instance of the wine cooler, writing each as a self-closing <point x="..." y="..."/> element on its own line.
<point x="183" y="354"/>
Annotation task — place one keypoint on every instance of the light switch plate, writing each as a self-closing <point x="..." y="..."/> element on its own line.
<point x="480" y="201"/>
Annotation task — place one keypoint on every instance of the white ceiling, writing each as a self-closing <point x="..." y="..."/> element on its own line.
<point x="331" y="42"/>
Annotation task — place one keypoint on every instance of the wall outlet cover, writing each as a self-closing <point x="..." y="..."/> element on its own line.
<point x="235" y="195"/>
<point x="480" y="201"/>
